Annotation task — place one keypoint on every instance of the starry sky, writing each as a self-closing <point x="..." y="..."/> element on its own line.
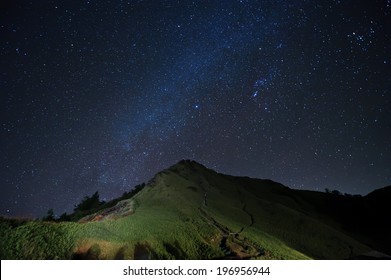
<point x="101" y="95"/>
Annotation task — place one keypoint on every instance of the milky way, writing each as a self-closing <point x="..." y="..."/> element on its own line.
<point x="101" y="95"/>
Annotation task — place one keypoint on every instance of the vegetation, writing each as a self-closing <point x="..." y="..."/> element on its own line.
<point x="49" y="216"/>
<point x="90" y="205"/>
<point x="190" y="212"/>
<point x="36" y="240"/>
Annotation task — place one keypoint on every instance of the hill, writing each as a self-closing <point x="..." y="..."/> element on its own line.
<point x="190" y="212"/>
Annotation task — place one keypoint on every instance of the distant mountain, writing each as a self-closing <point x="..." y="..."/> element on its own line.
<point x="191" y="212"/>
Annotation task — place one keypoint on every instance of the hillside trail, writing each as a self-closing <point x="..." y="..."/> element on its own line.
<point x="232" y="244"/>
<point x="240" y="195"/>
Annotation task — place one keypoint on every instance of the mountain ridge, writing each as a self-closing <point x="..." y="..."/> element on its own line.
<point x="188" y="211"/>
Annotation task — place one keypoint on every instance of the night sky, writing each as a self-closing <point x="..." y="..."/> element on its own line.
<point x="101" y="95"/>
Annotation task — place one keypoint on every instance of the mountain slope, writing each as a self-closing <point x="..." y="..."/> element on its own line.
<point x="191" y="212"/>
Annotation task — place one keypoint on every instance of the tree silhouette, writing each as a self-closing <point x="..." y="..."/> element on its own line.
<point x="89" y="203"/>
<point x="49" y="216"/>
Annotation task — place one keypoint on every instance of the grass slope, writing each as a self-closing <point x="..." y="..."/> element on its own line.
<point x="190" y="212"/>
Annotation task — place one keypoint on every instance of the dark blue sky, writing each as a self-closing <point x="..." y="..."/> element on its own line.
<point x="101" y="95"/>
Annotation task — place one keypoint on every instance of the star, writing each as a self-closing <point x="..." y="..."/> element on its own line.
<point x="99" y="93"/>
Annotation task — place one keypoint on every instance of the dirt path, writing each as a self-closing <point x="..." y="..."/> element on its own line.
<point x="245" y="210"/>
<point x="231" y="243"/>
<point x="249" y="214"/>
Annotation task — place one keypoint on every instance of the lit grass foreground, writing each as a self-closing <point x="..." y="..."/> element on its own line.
<point x="190" y="212"/>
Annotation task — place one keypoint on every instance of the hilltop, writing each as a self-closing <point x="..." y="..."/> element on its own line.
<point x="191" y="212"/>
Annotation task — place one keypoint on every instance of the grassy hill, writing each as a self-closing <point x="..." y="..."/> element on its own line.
<point x="191" y="212"/>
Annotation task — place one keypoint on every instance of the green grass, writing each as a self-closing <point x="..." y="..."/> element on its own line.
<point x="37" y="240"/>
<point x="171" y="221"/>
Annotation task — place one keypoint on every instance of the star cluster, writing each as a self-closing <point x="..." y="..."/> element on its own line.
<point x="101" y="95"/>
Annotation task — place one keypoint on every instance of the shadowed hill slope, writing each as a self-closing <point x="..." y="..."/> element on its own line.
<point x="190" y="212"/>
